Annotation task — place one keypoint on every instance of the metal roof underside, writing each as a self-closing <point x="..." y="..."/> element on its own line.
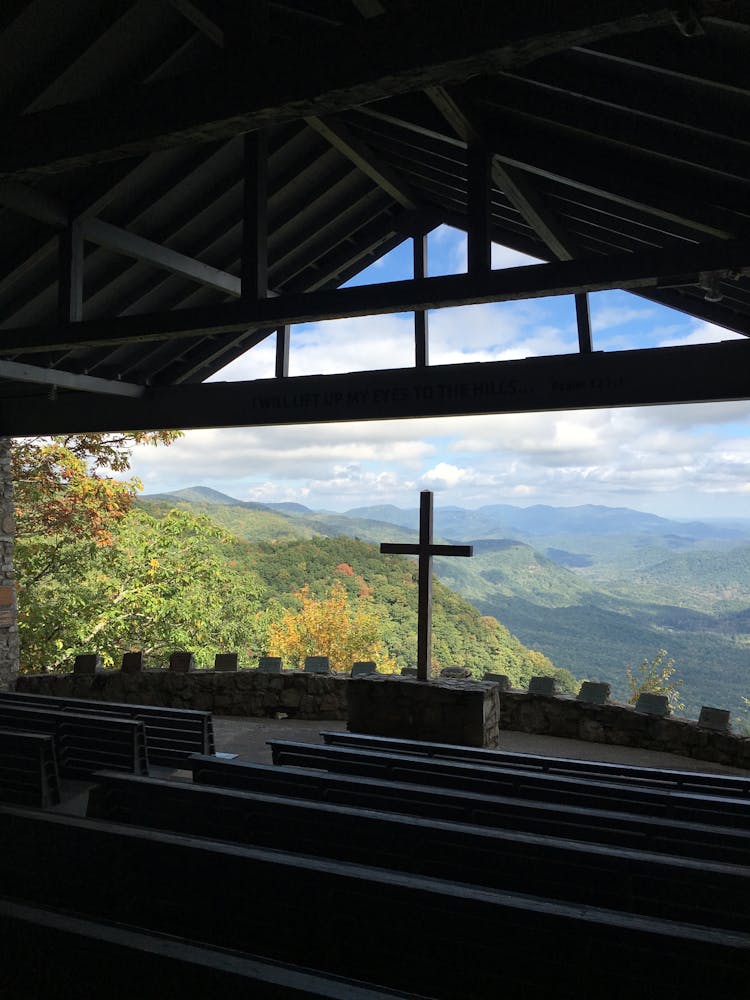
<point x="181" y="180"/>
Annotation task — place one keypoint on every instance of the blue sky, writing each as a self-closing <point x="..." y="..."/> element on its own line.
<point x="680" y="461"/>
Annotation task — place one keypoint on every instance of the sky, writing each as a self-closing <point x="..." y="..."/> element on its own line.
<point x="676" y="461"/>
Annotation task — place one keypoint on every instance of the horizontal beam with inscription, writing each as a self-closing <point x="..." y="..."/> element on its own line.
<point x="655" y="269"/>
<point x="703" y="373"/>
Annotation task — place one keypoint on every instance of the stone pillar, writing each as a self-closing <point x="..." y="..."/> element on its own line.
<point x="8" y="611"/>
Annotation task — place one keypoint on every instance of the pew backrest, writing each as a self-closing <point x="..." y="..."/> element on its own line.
<point x="592" y="791"/>
<point x="165" y="883"/>
<point x="685" y="839"/>
<point x="165" y="966"/>
<point x="707" y="783"/>
<point x="544" y="865"/>
<point x="84" y="742"/>
<point x="28" y="769"/>
<point x="172" y="733"/>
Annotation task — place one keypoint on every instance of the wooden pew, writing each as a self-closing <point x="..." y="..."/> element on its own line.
<point x="440" y="939"/>
<point x="693" y="891"/>
<point x="172" y="733"/>
<point x="698" y="840"/>
<point x="92" y="959"/>
<point x="706" y="783"/>
<point x="590" y="792"/>
<point x="84" y="742"/>
<point x="28" y="769"/>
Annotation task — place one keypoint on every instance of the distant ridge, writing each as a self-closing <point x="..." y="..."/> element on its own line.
<point x="204" y="494"/>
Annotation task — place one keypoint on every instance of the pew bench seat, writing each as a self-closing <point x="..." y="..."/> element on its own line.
<point x="698" y="891"/>
<point x="604" y="826"/>
<point x="444" y="940"/>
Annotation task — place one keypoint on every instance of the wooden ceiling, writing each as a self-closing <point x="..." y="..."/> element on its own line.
<point x="181" y="180"/>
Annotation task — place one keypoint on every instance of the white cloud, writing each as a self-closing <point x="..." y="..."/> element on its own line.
<point x="704" y="333"/>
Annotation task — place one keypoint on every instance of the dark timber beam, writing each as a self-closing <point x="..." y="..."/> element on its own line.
<point x="383" y="56"/>
<point x="676" y="267"/>
<point x="70" y="274"/>
<point x="479" y="244"/>
<point x="255" y="217"/>
<point x="192" y="13"/>
<point x="16" y="372"/>
<point x="129" y="244"/>
<point x="282" y="351"/>
<point x="583" y="319"/>
<point x="421" y="320"/>
<point x="358" y="153"/>
<point x="706" y="373"/>
<point x="521" y="193"/>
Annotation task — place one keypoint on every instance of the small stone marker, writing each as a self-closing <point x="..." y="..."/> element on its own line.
<point x="87" y="663"/>
<point x="502" y="680"/>
<point x="132" y="663"/>
<point x="594" y="692"/>
<point x="409" y="672"/>
<point x="715" y="718"/>
<point x="317" y="665"/>
<point x="543" y="685"/>
<point x="270" y="664"/>
<point x="181" y="662"/>
<point x="363" y="667"/>
<point x="225" y="661"/>
<point x="652" y="704"/>
<point x="456" y="672"/>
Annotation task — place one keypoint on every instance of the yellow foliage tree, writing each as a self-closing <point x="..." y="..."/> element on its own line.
<point x="334" y="626"/>
<point x="655" y="677"/>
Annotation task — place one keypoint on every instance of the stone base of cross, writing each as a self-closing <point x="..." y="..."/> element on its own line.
<point x="425" y="550"/>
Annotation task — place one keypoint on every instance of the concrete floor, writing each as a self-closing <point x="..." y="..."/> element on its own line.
<point x="247" y="739"/>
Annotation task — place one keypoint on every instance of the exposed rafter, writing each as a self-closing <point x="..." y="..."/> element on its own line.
<point x="347" y="67"/>
<point x="358" y="153"/>
<point x="129" y="244"/>
<point x="17" y="372"/>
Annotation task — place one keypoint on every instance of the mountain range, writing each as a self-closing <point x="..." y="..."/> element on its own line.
<point x="594" y="588"/>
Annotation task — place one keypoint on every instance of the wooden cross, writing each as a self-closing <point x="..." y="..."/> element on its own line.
<point x="425" y="549"/>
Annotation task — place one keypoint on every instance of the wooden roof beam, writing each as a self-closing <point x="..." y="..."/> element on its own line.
<point x="383" y="56"/>
<point x="358" y="153"/>
<point x="654" y="376"/>
<point x="16" y="372"/>
<point x="676" y="267"/>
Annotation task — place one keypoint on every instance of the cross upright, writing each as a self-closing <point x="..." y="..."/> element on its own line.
<point x="425" y="549"/>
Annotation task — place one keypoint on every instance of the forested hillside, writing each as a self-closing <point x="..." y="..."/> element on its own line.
<point x="594" y="588"/>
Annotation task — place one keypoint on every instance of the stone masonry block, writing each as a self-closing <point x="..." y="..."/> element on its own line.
<point x="652" y="704"/>
<point x="595" y="692"/>
<point x="714" y="718"/>
<point x="87" y="663"/>
<point x="543" y="685"/>
<point x="181" y="662"/>
<point x="225" y="661"/>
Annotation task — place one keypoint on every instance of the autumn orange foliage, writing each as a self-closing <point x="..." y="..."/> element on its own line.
<point x="337" y="626"/>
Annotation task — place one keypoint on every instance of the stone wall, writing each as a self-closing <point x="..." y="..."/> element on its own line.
<point x="8" y="614"/>
<point x="564" y="715"/>
<point x="445" y="711"/>
<point x="246" y="692"/>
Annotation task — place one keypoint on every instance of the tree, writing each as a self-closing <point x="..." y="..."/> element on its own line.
<point x="654" y="677"/>
<point x="68" y="507"/>
<point x="337" y="626"/>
